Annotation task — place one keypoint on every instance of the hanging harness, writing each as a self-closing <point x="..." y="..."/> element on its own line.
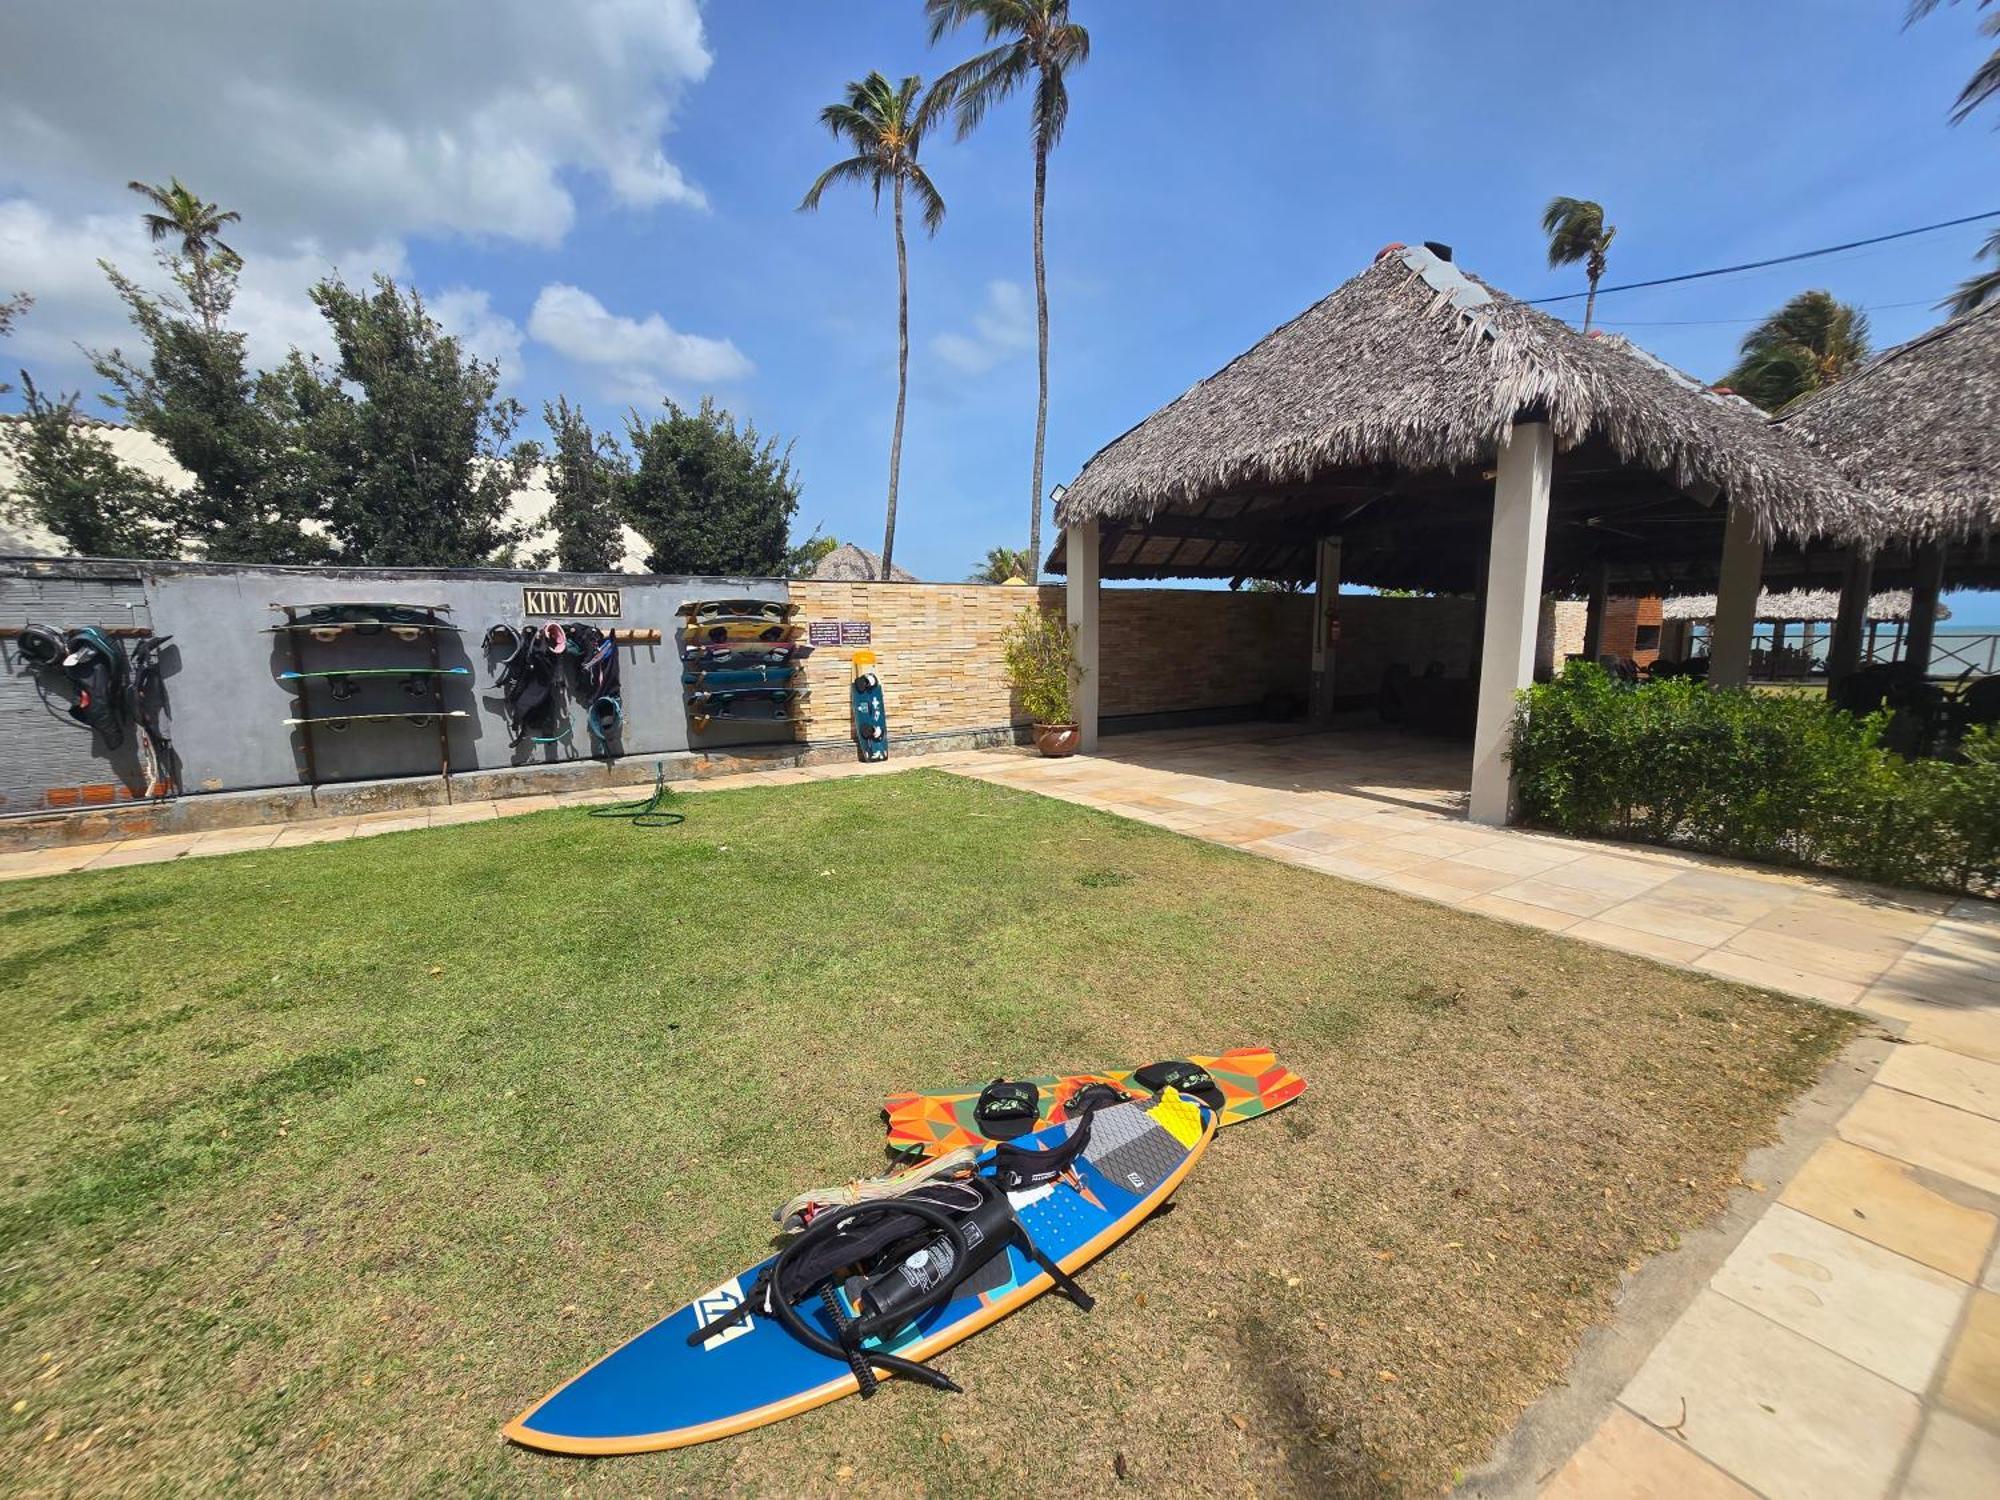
<point x="528" y="685"/>
<point x="593" y="656"/>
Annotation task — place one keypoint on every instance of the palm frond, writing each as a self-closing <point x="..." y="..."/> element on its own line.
<point x="981" y="82"/>
<point x="1051" y="109"/>
<point x="996" y="17"/>
<point x="1984" y="85"/>
<point x="928" y="196"/>
<point x="862" y="169"/>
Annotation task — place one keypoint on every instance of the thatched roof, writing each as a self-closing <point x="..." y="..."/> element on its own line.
<point x="1413" y="363"/>
<point x="848" y="563"/>
<point x="1796" y="604"/>
<point x="1920" y="426"/>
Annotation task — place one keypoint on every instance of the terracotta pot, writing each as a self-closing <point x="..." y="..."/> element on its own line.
<point x="1056" y="739"/>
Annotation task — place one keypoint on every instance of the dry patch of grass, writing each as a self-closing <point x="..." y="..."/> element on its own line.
<point x="323" y="1162"/>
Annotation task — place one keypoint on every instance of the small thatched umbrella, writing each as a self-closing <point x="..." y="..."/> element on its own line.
<point x="1401" y="386"/>
<point x="848" y="563"/>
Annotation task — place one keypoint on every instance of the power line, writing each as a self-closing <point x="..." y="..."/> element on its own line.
<point x="1776" y="260"/>
<point x="1715" y="322"/>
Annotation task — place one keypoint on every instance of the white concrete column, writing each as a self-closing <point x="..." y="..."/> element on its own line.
<point x="1513" y="611"/>
<point x="1080" y="596"/>
<point x="1741" y="582"/>
<point x="1326" y="618"/>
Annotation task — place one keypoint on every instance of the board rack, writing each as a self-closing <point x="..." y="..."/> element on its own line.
<point x="400" y="623"/>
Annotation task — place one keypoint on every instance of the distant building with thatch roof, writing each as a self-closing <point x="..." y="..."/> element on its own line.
<point x="1815" y="605"/>
<point x="848" y="563"/>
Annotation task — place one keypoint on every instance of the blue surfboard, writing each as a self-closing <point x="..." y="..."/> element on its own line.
<point x="871" y="717"/>
<point x="659" y="1391"/>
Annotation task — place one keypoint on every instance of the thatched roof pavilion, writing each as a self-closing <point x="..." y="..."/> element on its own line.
<point x="1378" y="414"/>
<point x="848" y="563"/>
<point x="1814" y="605"/>
<point x="1920" y="427"/>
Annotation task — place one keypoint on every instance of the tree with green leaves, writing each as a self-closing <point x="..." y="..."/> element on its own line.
<point x="404" y="434"/>
<point x="193" y="390"/>
<point x="1035" y="40"/>
<point x="801" y="560"/>
<point x="1982" y="88"/>
<point x="69" y="481"/>
<point x="1001" y="564"/>
<point x="586" y="475"/>
<point x="709" y="498"/>
<point x="884" y="123"/>
<point x="1577" y="232"/>
<point x="11" y="309"/>
<point x="1811" y="342"/>
<point x="181" y="217"/>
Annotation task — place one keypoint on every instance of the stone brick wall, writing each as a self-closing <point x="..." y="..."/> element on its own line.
<point x="1162" y="650"/>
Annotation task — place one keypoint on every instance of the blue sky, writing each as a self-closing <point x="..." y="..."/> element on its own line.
<point x="1224" y="167"/>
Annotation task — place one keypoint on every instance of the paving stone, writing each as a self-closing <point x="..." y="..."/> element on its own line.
<point x="1627" y="1460"/>
<point x="1522" y="912"/>
<point x="1882" y="1310"/>
<point x="1972" y="1030"/>
<point x="1926" y="1134"/>
<point x="1543" y="891"/>
<point x="1745" y="969"/>
<point x="1645" y="914"/>
<point x="1971" y="1384"/>
<point x="1632" y="940"/>
<point x="1858" y="967"/>
<point x="1610" y="875"/>
<point x="1880" y="1199"/>
<point x="1954" y="1460"/>
<point x="1948" y="1077"/>
<point x="1771" y="1407"/>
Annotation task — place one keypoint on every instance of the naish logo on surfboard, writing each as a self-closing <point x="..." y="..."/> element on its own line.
<point x="712" y="1306"/>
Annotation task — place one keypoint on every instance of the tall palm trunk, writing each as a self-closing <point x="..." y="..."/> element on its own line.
<point x="902" y="382"/>
<point x="1042" y="362"/>
<point x="1594" y="269"/>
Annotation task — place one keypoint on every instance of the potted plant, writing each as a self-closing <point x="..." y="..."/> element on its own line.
<point x="1039" y="650"/>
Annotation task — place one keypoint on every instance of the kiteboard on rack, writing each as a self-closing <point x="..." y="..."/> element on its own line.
<point x="417" y="681"/>
<point x="731" y="632"/>
<point x="706" y="654"/>
<point x="1032" y="1213"/>
<point x="1243" y="1084"/>
<point x="871" y="714"/>
<point x="738" y="677"/>
<point x="338" y="722"/>
<point x="737" y="609"/>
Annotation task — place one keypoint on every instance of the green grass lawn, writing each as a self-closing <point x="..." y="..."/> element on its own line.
<point x="322" y="1163"/>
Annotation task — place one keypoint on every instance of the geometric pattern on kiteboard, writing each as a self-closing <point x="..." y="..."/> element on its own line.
<point x="670" y="1387"/>
<point x="339" y="722"/>
<point x="1252" y="1081"/>
<point x="737" y="609"/>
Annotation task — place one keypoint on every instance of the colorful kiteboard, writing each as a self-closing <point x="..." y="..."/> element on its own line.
<point x="871" y="714"/>
<point x="720" y="632"/>
<point x="662" y="1391"/>
<point x="737" y="609"/>
<point x="1251" y="1079"/>
<point x="738" y="677"/>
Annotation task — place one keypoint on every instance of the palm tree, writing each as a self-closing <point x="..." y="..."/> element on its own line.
<point x="1977" y="291"/>
<point x="1039" y="40"/>
<point x="1001" y="564"/>
<point x="1811" y="342"/>
<point x="885" y="123"/>
<point x="1577" y="232"/>
<point x="198" y="226"/>
<point x="1982" y="88"/>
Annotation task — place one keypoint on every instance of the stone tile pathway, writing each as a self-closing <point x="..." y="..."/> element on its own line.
<point x="1850" y="1344"/>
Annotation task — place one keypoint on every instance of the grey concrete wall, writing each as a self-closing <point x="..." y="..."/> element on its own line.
<point x="227" y="707"/>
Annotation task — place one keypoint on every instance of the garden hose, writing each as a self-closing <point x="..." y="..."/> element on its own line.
<point x="651" y="812"/>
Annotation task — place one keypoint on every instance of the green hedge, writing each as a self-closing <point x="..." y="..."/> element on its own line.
<point x="1781" y="778"/>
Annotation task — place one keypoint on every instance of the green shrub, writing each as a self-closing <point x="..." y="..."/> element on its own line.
<point x="1780" y="778"/>
<point x="1039" y="652"/>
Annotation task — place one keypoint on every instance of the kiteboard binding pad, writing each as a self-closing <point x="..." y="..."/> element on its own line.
<point x="737" y="609"/>
<point x="1244" y="1083"/>
<point x="871" y="717"/>
<point x="717" y="632"/>
<point x="873" y="1289"/>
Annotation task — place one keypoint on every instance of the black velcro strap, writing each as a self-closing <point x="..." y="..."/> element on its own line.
<point x="1007" y="1108"/>
<point x="1183" y="1077"/>
<point x="1018" y="1167"/>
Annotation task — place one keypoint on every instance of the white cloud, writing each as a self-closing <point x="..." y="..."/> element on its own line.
<point x="640" y="358"/>
<point x="360" y="121"/>
<point x="55" y="260"/>
<point x="481" y="331"/>
<point x="1003" y="327"/>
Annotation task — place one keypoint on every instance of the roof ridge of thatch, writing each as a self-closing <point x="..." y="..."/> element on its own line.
<point x="1371" y="374"/>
